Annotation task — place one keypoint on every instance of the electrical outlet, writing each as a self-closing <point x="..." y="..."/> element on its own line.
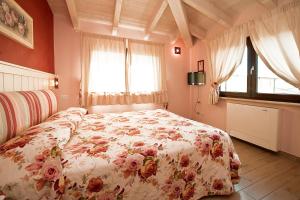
<point x="64" y="97"/>
<point x="200" y="114"/>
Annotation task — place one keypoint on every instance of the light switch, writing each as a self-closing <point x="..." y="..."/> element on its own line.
<point x="64" y="97"/>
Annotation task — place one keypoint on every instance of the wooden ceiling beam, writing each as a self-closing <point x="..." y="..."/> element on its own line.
<point x="197" y="31"/>
<point x="73" y="13"/>
<point x="211" y="11"/>
<point x="117" y="14"/>
<point x="156" y="17"/>
<point x="124" y="31"/>
<point x="128" y="27"/>
<point x="121" y="25"/>
<point x="179" y="14"/>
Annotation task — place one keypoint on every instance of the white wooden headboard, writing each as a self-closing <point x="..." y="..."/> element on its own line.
<point x="17" y="78"/>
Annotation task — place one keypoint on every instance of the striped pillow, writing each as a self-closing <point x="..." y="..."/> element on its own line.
<point x="21" y="110"/>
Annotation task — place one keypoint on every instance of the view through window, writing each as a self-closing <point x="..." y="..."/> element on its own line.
<point x="253" y="79"/>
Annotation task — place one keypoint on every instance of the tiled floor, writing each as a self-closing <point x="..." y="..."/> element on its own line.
<point x="264" y="175"/>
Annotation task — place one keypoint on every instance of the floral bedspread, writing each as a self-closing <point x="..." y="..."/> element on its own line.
<point x="27" y="161"/>
<point x="134" y="155"/>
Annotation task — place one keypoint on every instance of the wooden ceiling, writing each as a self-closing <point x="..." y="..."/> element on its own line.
<point x="152" y="19"/>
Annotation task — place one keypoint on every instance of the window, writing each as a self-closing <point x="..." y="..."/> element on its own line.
<point x="253" y="80"/>
<point x="109" y="63"/>
<point x="268" y="82"/>
<point x="121" y="71"/>
<point x="142" y="74"/>
<point x="145" y="68"/>
<point x="106" y="65"/>
<point x="238" y="80"/>
<point x="108" y="77"/>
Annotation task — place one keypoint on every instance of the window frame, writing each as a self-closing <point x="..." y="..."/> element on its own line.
<point x="252" y="60"/>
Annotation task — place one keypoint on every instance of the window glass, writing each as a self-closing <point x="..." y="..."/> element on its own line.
<point x="143" y="74"/>
<point x="268" y="82"/>
<point x="145" y="67"/>
<point x="107" y="72"/>
<point x="238" y="81"/>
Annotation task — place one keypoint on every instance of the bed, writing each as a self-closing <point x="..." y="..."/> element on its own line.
<point x="150" y="154"/>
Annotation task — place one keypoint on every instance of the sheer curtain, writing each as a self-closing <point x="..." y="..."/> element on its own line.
<point x="225" y="55"/>
<point x="146" y="72"/>
<point x="113" y="75"/>
<point x="103" y="70"/>
<point x="275" y="38"/>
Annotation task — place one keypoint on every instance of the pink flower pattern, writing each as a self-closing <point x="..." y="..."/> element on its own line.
<point x="51" y="170"/>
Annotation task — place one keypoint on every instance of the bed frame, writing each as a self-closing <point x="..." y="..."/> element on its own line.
<point x="18" y="78"/>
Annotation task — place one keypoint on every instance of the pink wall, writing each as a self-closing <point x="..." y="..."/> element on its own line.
<point x="178" y="90"/>
<point x="42" y="56"/>
<point x="67" y="67"/>
<point x="67" y="62"/>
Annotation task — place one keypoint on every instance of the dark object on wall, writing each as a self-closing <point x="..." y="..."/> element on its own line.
<point x="200" y="66"/>
<point x="177" y="50"/>
<point x="56" y="83"/>
<point x="197" y="78"/>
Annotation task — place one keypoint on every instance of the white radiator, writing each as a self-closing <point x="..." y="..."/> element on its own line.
<point x="257" y="125"/>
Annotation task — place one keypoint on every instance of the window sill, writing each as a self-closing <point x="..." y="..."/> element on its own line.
<point x="275" y="103"/>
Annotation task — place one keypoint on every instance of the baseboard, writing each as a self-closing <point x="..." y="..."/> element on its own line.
<point x="289" y="155"/>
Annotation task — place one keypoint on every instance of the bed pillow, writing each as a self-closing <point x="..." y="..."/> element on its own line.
<point x="73" y="114"/>
<point x="21" y="110"/>
<point x="83" y="111"/>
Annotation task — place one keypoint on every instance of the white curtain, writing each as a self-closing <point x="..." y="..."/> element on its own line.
<point x="146" y="72"/>
<point x="275" y="38"/>
<point x="225" y="55"/>
<point x="103" y="70"/>
<point x="107" y="61"/>
<point x="112" y="75"/>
